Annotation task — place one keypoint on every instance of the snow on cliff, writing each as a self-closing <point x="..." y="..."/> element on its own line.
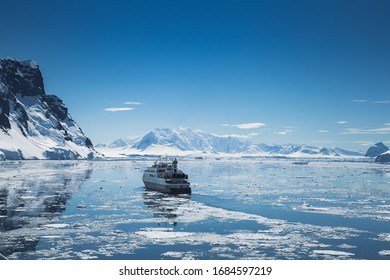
<point x="34" y="125"/>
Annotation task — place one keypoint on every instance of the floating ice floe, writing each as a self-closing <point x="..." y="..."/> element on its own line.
<point x="385" y="253"/>
<point x="346" y="246"/>
<point x="86" y="255"/>
<point x="384" y="237"/>
<point x="162" y="233"/>
<point x="179" y="255"/>
<point x="213" y="223"/>
<point x="333" y="253"/>
<point x="309" y="207"/>
<point x="57" y="225"/>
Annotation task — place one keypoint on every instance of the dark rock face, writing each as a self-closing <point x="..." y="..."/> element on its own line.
<point x="376" y="150"/>
<point x="26" y="110"/>
<point x="4" y="113"/>
<point x="88" y="143"/>
<point x="384" y="158"/>
<point x="22" y="77"/>
<point x="56" y="106"/>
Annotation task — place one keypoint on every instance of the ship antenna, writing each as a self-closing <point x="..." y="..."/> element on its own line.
<point x="157" y="159"/>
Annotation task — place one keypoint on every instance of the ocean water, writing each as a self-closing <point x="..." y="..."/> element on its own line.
<point x="238" y="209"/>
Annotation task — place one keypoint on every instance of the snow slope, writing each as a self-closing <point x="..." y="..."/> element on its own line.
<point x="34" y="125"/>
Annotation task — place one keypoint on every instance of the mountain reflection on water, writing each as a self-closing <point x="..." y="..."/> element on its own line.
<point x="32" y="198"/>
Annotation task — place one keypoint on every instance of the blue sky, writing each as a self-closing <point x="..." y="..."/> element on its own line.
<point x="313" y="72"/>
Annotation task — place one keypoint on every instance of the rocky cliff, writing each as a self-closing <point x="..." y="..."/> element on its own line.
<point x="376" y="150"/>
<point x="34" y="125"/>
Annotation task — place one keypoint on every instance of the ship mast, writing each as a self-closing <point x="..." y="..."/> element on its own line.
<point x="174" y="163"/>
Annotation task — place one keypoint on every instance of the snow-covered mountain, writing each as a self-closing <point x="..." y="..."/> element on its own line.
<point x="182" y="141"/>
<point x="186" y="141"/>
<point x="34" y="125"/>
<point x="306" y="150"/>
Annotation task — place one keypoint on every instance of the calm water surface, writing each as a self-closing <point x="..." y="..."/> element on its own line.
<point x="239" y="209"/>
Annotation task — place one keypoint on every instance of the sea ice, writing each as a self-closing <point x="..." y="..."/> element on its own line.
<point x="384" y="253"/>
<point x="231" y="214"/>
<point x="333" y="253"/>
<point x="162" y="233"/>
<point x="57" y="225"/>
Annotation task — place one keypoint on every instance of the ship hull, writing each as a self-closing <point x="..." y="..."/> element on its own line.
<point x="164" y="187"/>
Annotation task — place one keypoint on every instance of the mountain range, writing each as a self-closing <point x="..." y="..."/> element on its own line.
<point x="34" y="125"/>
<point x="187" y="141"/>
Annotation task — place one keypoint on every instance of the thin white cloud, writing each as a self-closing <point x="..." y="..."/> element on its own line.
<point x="118" y="109"/>
<point x="323" y="131"/>
<point x="132" y="103"/>
<point x="381" y="130"/>
<point x="359" y="100"/>
<point x="249" y="125"/>
<point x="246" y="125"/>
<point x="381" y="102"/>
<point x="342" y="122"/>
<point x="243" y="136"/>
<point x="364" y="143"/>
<point x="284" y="132"/>
<point x="387" y="123"/>
<point x="236" y="136"/>
<point x="373" y="102"/>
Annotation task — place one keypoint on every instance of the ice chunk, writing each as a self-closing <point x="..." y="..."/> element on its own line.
<point x="51" y="236"/>
<point x="162" y="233"/>
<point x="57" y="225"/>
<point x="384" y="253"/>
<point x="384" y="236"/>
<point x="333" y="253"/>
<point x="346" y="246"/>
<point x="177" y="255"/>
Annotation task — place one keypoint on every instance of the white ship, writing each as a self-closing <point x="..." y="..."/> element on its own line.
<point x="164" y="176"/>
